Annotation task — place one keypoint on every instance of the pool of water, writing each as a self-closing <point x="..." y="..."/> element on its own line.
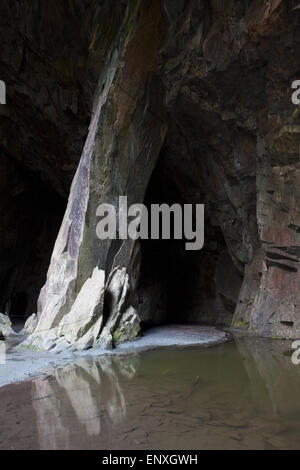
<point x="243" y="394"/>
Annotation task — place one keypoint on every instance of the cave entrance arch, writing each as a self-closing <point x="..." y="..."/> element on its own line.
<point x="177" y="286"/>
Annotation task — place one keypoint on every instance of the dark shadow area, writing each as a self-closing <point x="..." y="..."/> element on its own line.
<point x="16" y="307"/>
<point x="178" y="286"/>
<point x="31" y="214"/>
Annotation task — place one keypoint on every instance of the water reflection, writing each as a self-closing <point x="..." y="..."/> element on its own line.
<point x="51" y="432"/>
<point x="89" y="390"/>
<point x="275" y="380"/>
<point x="239" y="395"/>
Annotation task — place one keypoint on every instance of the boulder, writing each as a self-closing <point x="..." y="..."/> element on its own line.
<point x="116" y="292"/>
<point x="129" y="327"/>
<point x="78" y="329"/>
<point x="30" y="324"/>
<point x="81" y="326"/>
<point x="6" y="330"/>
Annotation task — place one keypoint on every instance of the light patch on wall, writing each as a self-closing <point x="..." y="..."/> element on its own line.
<point x="2" y="92"/>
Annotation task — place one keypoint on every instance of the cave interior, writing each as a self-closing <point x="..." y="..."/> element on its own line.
<point x="176" y="286"/>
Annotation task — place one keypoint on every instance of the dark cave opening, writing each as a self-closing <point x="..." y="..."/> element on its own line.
<point x="30" y="228"/>
<point x="178" y="286"/>
<point x="17" y="305"/>
<point x="162" y="260"/>
<point x="16" y="308"/>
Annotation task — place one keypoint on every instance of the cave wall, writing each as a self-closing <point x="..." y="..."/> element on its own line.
<point x="127" y="129"/>
<point x="228" y="69"/>
<point x="233" y="144"/>
<point x="51" y="57"/>
<point x="30" y="217"/>
<point x="204" y="88"/>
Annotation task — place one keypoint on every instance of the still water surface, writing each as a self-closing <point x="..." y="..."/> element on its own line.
<point x="244" y="394"/>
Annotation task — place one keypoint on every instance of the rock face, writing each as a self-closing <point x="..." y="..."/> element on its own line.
<point x="129" y="327"/>
<point x="30" y="324"/>
<point x="6" y="330"/>
<point x="192" y="104"/>
<point x="128" y="103"/>
<point x="52" y="54"/>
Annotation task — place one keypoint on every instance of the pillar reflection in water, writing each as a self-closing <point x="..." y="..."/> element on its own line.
<point x="52" y="433"/>
<point x="90" y="390"/>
